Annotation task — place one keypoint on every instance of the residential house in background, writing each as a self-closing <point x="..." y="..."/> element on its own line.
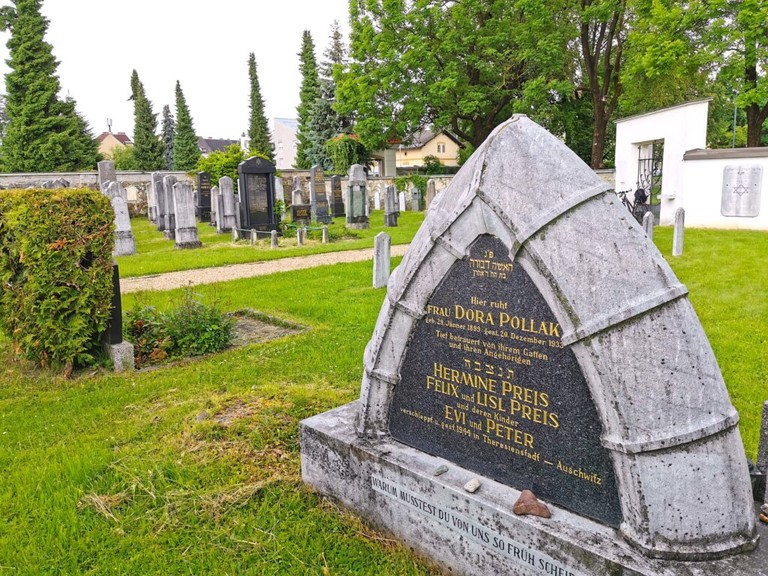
<point x="443" y="145"/>
<point x="208" y="145"/>
<point x="284" y="138"/>
<point x="109" y="141"/>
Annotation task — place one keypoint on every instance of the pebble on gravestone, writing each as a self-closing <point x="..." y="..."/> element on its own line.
<point x="529" y="504"/>
<point x="472" y="486"/>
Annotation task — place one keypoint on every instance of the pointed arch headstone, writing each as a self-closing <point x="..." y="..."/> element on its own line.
<point x="534" y="336"/>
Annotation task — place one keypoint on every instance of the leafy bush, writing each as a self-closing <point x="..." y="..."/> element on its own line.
<point x="191" y="329"/>
<point x="345" y="150"/>
<point x="56" y="273"/>
<point x="224" y="163"/>
<point x="432" y="165"/>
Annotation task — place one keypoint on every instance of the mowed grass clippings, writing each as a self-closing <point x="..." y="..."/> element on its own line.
<point x="194" y="467"/>
<point x="155" y="254"/>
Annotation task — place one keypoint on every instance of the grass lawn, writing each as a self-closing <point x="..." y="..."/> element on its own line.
<point x="155" y="254"/>
<point x="193" y="468"/>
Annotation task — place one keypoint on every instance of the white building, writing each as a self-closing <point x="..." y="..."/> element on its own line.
<point x="284" y="138"/>
<point x="664" y="152"/>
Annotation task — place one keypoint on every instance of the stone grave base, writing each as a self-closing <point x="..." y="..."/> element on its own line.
<point x="121" y="356"/>
<point x="359" y="225"/>
<point x="394" y="487"/>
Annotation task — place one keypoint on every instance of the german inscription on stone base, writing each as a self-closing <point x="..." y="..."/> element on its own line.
<point x="486" y="383"/>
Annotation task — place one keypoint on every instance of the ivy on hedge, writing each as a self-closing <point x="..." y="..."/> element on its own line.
<point x="56" y="273"/>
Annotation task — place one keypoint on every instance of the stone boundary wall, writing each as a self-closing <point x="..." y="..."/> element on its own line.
<point x="137" y="184"/>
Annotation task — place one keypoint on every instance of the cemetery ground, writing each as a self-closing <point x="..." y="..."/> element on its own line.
<point x="156" y="255"/>
<point x="193" y="467"/>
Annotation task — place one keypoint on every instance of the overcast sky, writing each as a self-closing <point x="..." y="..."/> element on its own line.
<point x="203" y="45"/>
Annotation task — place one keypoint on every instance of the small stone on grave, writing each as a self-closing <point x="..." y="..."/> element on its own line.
<point x="472" y="486"/>
<point x="529" y="504"/>
<point x="442" y="469"/>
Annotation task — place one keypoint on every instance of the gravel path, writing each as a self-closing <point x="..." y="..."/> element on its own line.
<point x="234" y="271"/>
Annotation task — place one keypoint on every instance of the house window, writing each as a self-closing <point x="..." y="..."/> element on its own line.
<point x="441" y="148"/>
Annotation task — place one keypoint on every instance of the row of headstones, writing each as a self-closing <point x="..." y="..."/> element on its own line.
<point x="164" y="208"/>
<point x="125" y="243"/>
<point x="320" y="209"/>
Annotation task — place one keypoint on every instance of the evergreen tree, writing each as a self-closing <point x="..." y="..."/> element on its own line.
<point x="258" y="128"/>
<point x="168" y="132"/>
<point x="186" y="152"/>
<point x="147" y="147"/>
<point x="44" y="133"/>
<point x="325" y="122"/>
<point x="310" y="89"/>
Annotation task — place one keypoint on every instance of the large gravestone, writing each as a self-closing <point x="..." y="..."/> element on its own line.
<point x="158" y="195"/>
<point x="533" y="338"/>
<point x="125" y="243"/>
<point x="184" y="208"/>
<point x="225" y="211"/>
<point x="357" y="199"/>
<point x="106" y="173"/>
<point x="318" y="199"/>
<point x="256" y="187"/>
<point x="391" y="211"/>
<point x="204" y="196"/>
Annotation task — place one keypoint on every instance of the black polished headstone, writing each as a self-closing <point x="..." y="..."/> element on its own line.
<point x="204" y="196"/>
<point x="337" y="199"/>
<point x="256" y="188"/>
<point x="487" y="384"/>
<point x="114" y="333"/>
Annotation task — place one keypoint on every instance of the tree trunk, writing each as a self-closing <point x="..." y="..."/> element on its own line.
<point x="755" y="119"/>
<point x="598" y="133"/>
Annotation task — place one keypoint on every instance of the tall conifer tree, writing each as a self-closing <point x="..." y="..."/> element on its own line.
<point x="325" y="122"/>
<point x="258" y="127"/>
<point x="186" y="152"/>
<point x="44" y="133"/>
<point x="168" y="131"/>
<point x="147" y="147"/>
<point x="310" y="87"/>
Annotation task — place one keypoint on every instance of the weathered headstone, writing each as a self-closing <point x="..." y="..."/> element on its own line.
<point x="648" y="224"/>
<point x="337" y="200"/>
<point x="125" y="243"/>
<point x="158" y="193"/>
<point x="377" y="199"/>
<point x="318" y="199"/>
<point x="170" y="216"/>
<point x="228" y="218"/>
<point x="325" y="237"/>
<point x="301" y="233"/>
<point x="390" y="207"/>
<point x="106" y="173"/>
<point x="679" y="231"/>
<point x="184" y="209"/>
<point x="214" y="205"/>
<point x="762" y="452"/>
<point x="280" y="197"/>
<point x="430" y="193"/>
<point x="530" y="341"/>
<point x="296" y="189"/>
<point x="401" y="202"/>
<point x="382" y="245"/>
<point x="204" y="196"/>
<point x="357" y="198"/>
<point x="415" y="199"/>
<point x="256" y="187"/>
<point x="273" y="239"/>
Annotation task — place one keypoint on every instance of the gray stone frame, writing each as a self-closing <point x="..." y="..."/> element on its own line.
<point x="667" y="419"/>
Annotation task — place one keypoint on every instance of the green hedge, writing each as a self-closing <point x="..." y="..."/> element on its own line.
<point x="56" y="273"/>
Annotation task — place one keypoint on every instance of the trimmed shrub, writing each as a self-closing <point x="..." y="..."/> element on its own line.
<point x="56" y="273"/>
